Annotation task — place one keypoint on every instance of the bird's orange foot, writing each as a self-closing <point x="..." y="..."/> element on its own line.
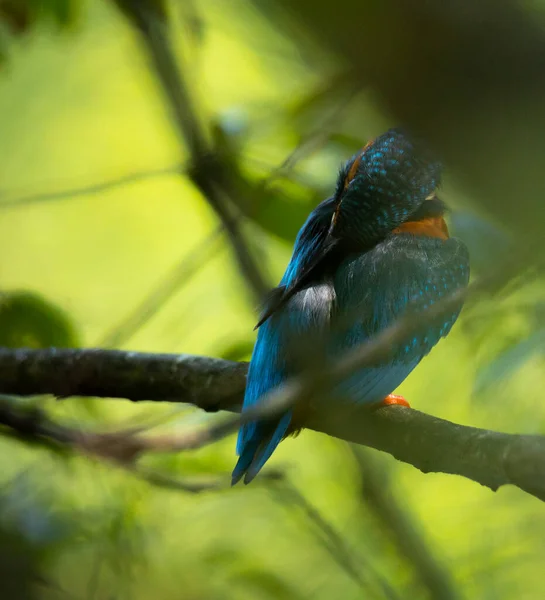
<point x="393" y="399"/>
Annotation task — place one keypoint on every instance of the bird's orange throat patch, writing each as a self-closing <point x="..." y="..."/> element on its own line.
<point x="434" y="227"/>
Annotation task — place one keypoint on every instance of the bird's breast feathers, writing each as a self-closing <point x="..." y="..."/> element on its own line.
<point x="375" y="288"/>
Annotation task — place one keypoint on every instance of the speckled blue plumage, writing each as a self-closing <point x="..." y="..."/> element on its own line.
<point x="349" y="278"/>
<point x="378" y="286"/>
<point x="393" y="176"/>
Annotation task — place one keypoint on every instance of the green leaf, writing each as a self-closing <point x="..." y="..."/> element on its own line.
<point x="28" y="320"/>
<point x="238" y="350"/>
<point x="62" y="12"/>
<point x="21" y="15"/>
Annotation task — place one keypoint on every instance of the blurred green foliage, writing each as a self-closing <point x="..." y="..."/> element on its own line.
<point x="29" y="321"/>
<point x="20" y="17"/>
<point x="80" y="109"/>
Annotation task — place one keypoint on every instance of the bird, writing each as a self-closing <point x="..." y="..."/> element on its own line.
<point x="378" y="247"/>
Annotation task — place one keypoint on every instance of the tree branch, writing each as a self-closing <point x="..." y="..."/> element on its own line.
<point x="209" y="383"/>
<point x="150" y="22"/>
<point x="430" y="444"/>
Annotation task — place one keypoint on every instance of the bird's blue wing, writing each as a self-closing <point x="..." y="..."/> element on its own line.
<point x="376" y="288"/>
<point x="306" y="312"/>
<point x="370" y="291"/>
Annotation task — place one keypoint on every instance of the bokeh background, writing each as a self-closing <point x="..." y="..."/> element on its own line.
<point x="106" y="242"/>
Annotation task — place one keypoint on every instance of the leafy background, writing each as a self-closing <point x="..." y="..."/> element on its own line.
<point x="131" y="258"/>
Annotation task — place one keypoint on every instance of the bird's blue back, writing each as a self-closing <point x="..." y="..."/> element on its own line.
<point x="365" y="292"/>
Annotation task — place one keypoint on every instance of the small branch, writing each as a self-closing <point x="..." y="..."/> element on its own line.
<point x="89" y="190"/>
<point x="179" y="276"/>
<point x="360" y="569"/>
<point x="207" y="171"/>
<point x="32" y="424"/>
<point x="430" y="444"/>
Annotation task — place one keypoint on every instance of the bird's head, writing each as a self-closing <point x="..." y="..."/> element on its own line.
<point x="381" y="187"/>
<point x="388" y="183"/>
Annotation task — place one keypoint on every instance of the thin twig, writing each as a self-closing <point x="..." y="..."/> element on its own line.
<point x="89" y="190"/>
<point x="396" y="521"/>
<point x="362" y="572"/>
<point x="206" y="170"/>
<point x="178" y="277"/>
<point x="32" y="424"/>
<point x="315" y="139"/>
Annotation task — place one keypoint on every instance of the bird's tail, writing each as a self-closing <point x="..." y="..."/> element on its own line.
<point x="254" y="451"/>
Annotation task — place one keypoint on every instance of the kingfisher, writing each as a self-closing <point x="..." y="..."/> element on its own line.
<point x="377" y="248"/>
